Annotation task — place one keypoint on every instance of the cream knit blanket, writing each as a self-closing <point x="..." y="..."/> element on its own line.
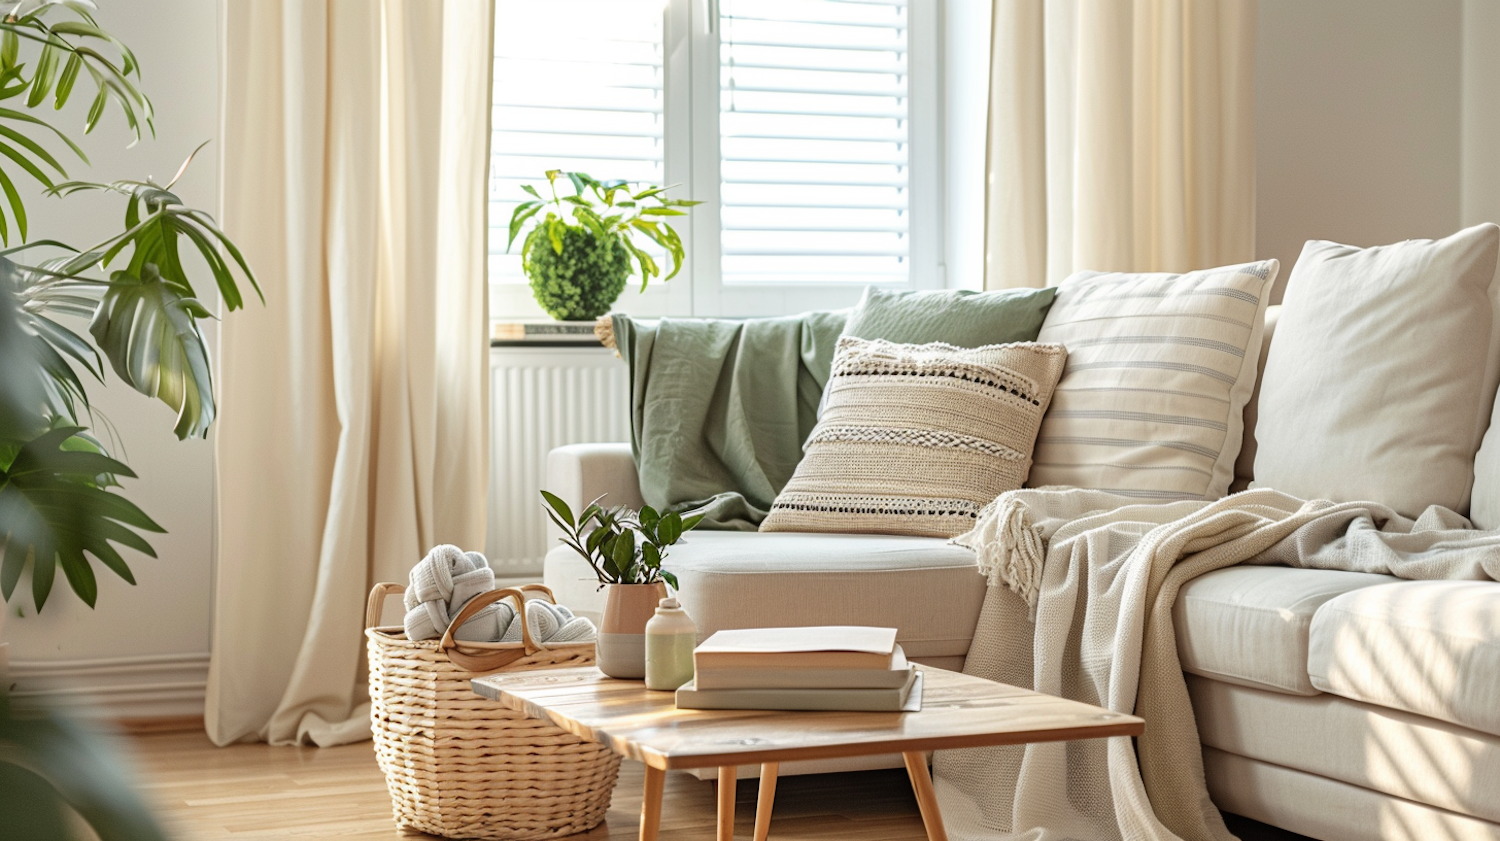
<point x="1082" y="585"/>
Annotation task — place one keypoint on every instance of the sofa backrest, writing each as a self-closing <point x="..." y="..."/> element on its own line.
<point x="1244" y="466"/>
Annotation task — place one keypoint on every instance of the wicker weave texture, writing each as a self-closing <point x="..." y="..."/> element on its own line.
<point x="460" y="766"/>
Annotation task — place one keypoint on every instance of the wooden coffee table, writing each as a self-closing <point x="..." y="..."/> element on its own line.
<point x="958" y="711"/>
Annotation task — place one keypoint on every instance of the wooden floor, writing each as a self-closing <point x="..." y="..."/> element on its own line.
<point x="204" y="793"/>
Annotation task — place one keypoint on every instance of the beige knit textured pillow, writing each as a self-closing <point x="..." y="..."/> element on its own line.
<point x="915" y="439"/>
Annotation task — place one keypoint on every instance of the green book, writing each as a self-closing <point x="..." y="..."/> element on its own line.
<point x="906" y="698"/>
<point x="772" y="677"/>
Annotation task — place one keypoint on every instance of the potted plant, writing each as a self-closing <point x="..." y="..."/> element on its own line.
<point x="58" y="505"/>
<point x="579" y="254"/>
<point x="626" y="551"/>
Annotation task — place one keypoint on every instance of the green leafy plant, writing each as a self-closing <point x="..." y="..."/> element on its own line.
<point x="53" y="768"/>
<point x="578" y="255"/>
<point x="58" y="506"/>
<point x="622" y="546"/>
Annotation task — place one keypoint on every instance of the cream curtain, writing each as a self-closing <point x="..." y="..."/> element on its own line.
<point x="353" y="409"/>
<point x="1121" y="137"/>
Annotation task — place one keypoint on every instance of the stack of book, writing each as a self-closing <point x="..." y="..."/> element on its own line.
<point x="833" y="667"/>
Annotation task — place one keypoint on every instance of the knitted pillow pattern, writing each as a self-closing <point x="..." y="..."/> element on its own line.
<point x="915" y="439"/>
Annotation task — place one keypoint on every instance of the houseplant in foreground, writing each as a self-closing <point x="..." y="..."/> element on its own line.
<point x="626" y="551"/>
<point x="579" y="254"/>
<point x="57" y="503"/>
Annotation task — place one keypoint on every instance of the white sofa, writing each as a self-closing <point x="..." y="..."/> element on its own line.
<point x="1337" y="705"/>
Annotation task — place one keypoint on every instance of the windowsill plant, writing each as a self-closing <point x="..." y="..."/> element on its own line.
<point x="580" y="253"/>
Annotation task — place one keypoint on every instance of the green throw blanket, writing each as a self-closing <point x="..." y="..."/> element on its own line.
<point x="720" y="408"/>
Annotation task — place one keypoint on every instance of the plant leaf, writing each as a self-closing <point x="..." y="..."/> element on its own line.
<point x="670" y="528"/>
<point x="54" y="512"/>
<point x="557" y="504"/>
<point x="147" y="330"/>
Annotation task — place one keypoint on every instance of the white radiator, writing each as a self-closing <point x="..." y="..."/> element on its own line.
<point x="544" y="397"/>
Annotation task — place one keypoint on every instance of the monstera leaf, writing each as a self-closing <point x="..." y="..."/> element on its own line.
<point x="53" y="510"/>
<point x="146" y="327"/>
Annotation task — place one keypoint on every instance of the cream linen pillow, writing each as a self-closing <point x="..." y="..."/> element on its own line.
<point x="915" y="439"/>
<point x="1380" y="381"/>
<point x="1486" y="503"/>
<point x="1160" y="367"/>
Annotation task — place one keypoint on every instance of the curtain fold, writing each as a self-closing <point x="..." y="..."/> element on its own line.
<point x="1120" y="137"/>
<point x="354" y="403"/>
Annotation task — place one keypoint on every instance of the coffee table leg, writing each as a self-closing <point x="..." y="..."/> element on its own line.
<point x="767" y="797"/>
<point x="651" y="803"/>
<point x="726" y="803"/>
<point x="921" y="783"/>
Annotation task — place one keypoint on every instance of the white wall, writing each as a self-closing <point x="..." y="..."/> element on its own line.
<point x="144" y="647"/>
<point x="1358" y="111"/>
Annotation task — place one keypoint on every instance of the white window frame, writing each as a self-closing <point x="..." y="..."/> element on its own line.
<point x="691" y="149"/>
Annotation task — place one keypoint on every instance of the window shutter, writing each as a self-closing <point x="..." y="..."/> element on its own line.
<point x="578" y="87"/>
<point x="814" y="141"/>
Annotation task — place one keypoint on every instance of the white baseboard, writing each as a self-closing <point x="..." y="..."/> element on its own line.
<point x="151" y="686"/>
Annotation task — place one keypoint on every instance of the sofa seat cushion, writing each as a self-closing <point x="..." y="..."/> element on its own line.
<point x="928" y="590"/>
<point x="1248" y="625"/>
<point x="1428" y="647"/>
<point x="1390" y="751"/>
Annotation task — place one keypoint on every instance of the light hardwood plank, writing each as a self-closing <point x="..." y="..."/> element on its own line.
<point x="253" y="791"/>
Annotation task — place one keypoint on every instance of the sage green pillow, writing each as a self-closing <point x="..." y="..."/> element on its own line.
<point x="954" y="316"/>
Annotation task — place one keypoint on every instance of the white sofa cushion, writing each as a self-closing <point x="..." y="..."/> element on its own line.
<point x="1380" y="383"/>
<point x="1244" y="464"/>
<point x="1160" y="367"/>
<point x="1322" y="808"/>
<point x="1248" y="625"/>
<point x="1390" y="751"/>
<point x="1427" y="647"/>
<point x="928" y="590"/>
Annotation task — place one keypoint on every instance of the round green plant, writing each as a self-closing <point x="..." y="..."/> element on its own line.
<point x="581" y="280"/>
<point x="578" y="255"/>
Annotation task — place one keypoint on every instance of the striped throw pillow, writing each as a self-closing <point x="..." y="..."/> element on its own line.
<point x="915" y="439"/>
<point x="1160" y="366"/>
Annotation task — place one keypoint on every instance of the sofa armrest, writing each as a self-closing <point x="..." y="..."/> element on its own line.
<point x="579" y="473"/>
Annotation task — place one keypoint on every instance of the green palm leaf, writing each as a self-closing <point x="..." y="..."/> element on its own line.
<point x="147" y="329"/>
<point x="52" y="513"/>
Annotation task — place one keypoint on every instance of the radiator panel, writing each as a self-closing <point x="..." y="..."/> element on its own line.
<point x="541" y="398"/>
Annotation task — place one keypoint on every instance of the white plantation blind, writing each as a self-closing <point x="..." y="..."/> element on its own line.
<point x="578" y="87"/>
<point x="814" y="143"/>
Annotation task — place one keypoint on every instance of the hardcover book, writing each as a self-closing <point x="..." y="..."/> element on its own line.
<point x="824" y="646"/>
<point x="784" y="677"/>
<point x="907" y="698"/>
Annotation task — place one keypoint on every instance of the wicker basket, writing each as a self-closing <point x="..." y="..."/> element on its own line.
<point x="461" y="766"/>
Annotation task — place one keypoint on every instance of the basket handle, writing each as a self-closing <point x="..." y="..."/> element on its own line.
<point x="489" y="660"/>
<point x="378" y="594"/>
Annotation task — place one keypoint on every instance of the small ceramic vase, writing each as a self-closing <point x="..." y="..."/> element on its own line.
<point x="621" y="650"/>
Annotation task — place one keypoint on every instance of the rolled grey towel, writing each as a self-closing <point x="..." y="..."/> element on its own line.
<point x="551" y="623"/>
<point x="438" y="588"/>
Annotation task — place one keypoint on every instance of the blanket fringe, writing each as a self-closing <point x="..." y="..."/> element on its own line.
<point x="1008" y="549"/>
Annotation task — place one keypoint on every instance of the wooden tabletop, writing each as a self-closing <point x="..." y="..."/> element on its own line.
<point x="958" y="711"/>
